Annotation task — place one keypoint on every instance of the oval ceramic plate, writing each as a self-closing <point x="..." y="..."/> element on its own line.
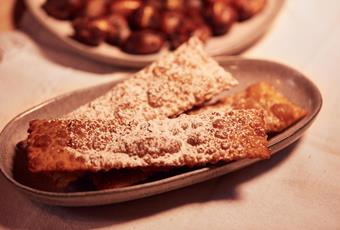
<point x="241" y="36"/>
<point x="290" y="82"/>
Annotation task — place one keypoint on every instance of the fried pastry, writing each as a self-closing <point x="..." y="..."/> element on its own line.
<point x="166" y="88"/>
<point x="279" y="111"/>
<point x="188" y="140"/>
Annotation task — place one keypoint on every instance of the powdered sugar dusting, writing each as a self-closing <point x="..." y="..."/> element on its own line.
<point x="186" y="140"/>
<point x="168" y="87"/>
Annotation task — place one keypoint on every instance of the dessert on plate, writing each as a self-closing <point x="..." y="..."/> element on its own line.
<point x="150" y="125"/>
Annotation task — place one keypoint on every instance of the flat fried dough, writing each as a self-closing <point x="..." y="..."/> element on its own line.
<point x="168" y="87"/>
<point x="188" y="140"/>
<point x="279" y="111"/>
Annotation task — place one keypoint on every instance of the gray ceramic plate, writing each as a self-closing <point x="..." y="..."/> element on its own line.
<point x="290" y="82"/>
<point x="241" y="36"/>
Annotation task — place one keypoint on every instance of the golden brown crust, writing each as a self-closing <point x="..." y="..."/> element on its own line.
<point x="79" y="145"/>
<point x="45" y="146"/>
<point x="279" y="111"/>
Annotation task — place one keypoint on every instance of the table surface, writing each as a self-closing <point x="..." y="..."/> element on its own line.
<point x="296" y="189"/>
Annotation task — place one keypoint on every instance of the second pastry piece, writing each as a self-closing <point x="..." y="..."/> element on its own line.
<point x="279" y="111"/>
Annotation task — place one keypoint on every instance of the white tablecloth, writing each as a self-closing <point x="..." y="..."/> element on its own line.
<point x="296" y="189"/>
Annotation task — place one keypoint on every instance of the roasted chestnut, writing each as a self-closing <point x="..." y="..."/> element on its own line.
<point x="203" y="32"/>
<point x="89" y="31"/>
<point x="208" y="2"/>
<point x="170" y="21"/>
<point x="189" y="28"/>
<point x="143" y="42"/>
<point x="63" y="9"/>
<point x="146" y="17"/>
<point x="125" y="7"/>
<point x="95" y="8"/>
<point x="195" y="15"/>
<point x="248" y="8"/>
<point x="158" y="4"/>
<point x="220" y="16"/>
<point x="118" y="29"/>
<point x="182" y="33"/>
<point x="172" y="4"/>
<point x="193" y="5"/>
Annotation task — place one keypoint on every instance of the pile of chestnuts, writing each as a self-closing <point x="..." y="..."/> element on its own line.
<point x="145" y="26"/>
